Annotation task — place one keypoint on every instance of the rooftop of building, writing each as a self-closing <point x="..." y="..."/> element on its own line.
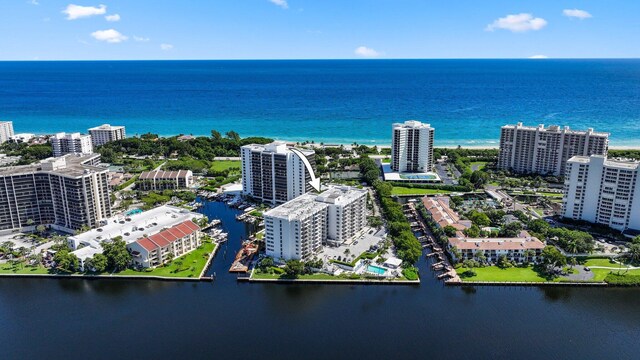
<point x="556" y="128"/>
<point x="277" y="147"/>
<point x="412" y="124"/>
<point x="107" y="127"/>
<point x="167" y="236"/>
<point x="442" y="214"/>
<point x="307" y="203"/>
<point x="614" y="163"/>
<point x="72" y="165"/>
<point x="340" y="195"/>
<point x="63" y="135"/>
<point x="132" y="227"/>
<point x="160" y="174"/>
<point x="6" y="122"/>
<point x="523" y="241"/>
<point x="293" y="209"/>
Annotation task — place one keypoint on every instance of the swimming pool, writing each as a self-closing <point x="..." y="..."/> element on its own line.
<point x="133" y="212"/>
<point x="418" y="177"/>
<point x="376" y="270"/>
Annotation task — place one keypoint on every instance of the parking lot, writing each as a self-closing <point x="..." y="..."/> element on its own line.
<point x="350" y="250"/>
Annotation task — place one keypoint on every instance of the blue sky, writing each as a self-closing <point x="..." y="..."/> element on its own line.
<point x="317" y="29"/>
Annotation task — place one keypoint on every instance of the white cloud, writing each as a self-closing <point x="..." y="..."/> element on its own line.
<point x="166" y="47"/>
<point x="140" y="38"/>
<point x="33" y="2"/>
<point x="517" y="23"/>
<point x="538" y="57"/>
<point x="366" y="52"/>
<point x="113" y="18"/>
<point x="111" y="36"/>
<point x="76" y="11"/>
<point x="575" y="13"/>
<point x="282" y="3"/>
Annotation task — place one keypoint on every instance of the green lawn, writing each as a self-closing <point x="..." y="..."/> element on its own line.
<point x="477" y="165"/>
<point x="22" y="269"/>
<point x="257" y="274"/>
<point x="550" y="194"/>
<point x="399" y="190"/>
<point x="221" y="165"/>
<point x="386" y="160"/>
<point x="600" y="274"/>
<point x="260" y="275"/>
<point x="192" y="264"/>
<point x="494" y="273"/>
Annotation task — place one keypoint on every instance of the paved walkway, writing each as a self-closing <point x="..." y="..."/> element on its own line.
<point x="582" y="274"/>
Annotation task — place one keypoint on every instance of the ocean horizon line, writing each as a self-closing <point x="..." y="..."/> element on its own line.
<point x="326" y="59"/>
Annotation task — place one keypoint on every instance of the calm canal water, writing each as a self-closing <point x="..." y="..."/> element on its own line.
<point x="46" y="318"/>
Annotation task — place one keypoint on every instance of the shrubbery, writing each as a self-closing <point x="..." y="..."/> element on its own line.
<point x="408" y="247"/>
<point x="411" y="273"/>
<point x="622" y="280"/>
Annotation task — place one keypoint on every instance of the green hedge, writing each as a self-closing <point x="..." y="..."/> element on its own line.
<point x="622" y="280"/>
<point x="457" y="188"/>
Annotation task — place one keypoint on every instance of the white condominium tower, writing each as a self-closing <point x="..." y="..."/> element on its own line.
<point x="540" y="150"/>
<point x="63" y="143"/>
<point x="412" y="147"/>
<point x="347" y="212"/>
<point x="603" y="191"/>
<point x="273" y="173"/>
<point x="6" y="131"/>
<point x="298" y="228"/>
<point x="103" y="134"/>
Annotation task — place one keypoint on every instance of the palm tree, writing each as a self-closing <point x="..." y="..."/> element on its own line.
<point x="480" y="256"/>
<point x="572" y="247"/>
<point x="634" y="253"/>
<point x="528" y="254"/>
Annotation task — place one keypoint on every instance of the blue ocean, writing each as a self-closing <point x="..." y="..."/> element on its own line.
<point x="331" y="101"/>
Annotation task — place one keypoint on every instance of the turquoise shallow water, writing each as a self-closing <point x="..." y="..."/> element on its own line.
<point x="326" y="100"/>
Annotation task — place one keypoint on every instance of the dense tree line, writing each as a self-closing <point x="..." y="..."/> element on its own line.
<point x="627" y="154"/>
<point x="407" y="246"/>
<point x="199" y="148"/>
<point x="28" y="154"/>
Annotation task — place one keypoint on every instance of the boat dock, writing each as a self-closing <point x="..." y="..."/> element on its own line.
<point x="442" y="268"/>
<point x="244" y="257"/>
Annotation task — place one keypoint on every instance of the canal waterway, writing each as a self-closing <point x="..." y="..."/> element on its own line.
<point x="97" y="319"/>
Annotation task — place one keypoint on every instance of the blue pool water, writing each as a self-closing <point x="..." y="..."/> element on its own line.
<point x="325" y="100"/>
<point x="418" y="177"/>
<point x="133" y="212"/>
<point x="376" y="270"/>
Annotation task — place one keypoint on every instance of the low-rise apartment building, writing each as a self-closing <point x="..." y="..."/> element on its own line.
<point x="515" y="249"/>
<point x="603" y="191"/>
<point x="298" y="228"/>
<point x="462" y="247"/>
<point x="67" y="193"/>
<point x="545" y="151"/>
<point x="153" y="237"/>
<point x="159" y="180"/>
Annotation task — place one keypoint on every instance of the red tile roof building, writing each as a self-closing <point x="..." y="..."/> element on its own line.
<point x="166" y="245"/>
<point x="513" y="248"/>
